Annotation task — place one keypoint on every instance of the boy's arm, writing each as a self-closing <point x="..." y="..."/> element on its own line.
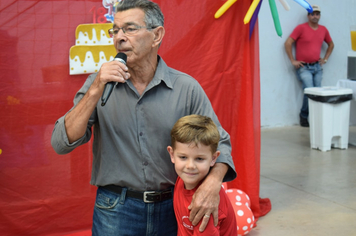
<point x="206" y="199"/>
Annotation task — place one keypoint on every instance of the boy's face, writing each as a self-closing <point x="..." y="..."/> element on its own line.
<point x="192" y="163"/>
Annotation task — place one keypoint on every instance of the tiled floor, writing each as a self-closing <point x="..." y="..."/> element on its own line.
<point x="313" y="193"/>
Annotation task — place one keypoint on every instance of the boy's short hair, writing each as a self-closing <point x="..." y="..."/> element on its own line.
<point x="197" y="129"/>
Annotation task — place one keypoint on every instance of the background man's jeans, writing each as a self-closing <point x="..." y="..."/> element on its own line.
<point x="310" y="76"/>
<point x="116" y="215"/>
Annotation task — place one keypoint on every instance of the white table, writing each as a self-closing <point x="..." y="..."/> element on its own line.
<point x="346" y="83"/>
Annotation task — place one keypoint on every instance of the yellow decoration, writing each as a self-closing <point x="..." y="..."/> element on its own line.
<point x="224" y="8"/>
<point x="109" y="50"/>
<point x="250" y="11"/>
<point x="94" y="46"/>
<point x="88" y="29"/>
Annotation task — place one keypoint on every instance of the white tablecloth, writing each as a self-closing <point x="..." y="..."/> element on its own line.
<point x="346" y="83"/>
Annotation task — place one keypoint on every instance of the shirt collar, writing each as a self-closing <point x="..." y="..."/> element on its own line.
<point x="162" y="73"/>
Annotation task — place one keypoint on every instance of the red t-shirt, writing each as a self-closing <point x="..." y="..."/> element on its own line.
<point x="182" y="199"/>
<point x="308" y="42"/>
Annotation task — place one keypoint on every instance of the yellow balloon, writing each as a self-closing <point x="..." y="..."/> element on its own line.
<point x="251" y="10"/>
<point x="224" y="8"/>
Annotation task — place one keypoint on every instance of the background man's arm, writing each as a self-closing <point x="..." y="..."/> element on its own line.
<point x="288" y="47"/>
<point x="328" y="52"/>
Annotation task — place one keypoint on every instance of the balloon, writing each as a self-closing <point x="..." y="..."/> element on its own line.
<point x="277" y="24"/>
<point x="254" y="18"/>
<point x="251" y="10"/>
<point x="285" y="4"/>
<point x="224" y="8"/>
<point x="305" y="4"/>
<point x="238" y="197"/>
<point x="245" y="220"/>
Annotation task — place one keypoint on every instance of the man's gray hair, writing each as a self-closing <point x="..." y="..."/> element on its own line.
<point x="153" y="14"/>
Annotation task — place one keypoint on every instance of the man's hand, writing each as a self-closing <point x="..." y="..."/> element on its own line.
<point x="297" y="64"/>
<point x="206" y="199"/>
<point x="322" y="61"/>
<point x="113" y="71"/>
<point x="205" y="203"/>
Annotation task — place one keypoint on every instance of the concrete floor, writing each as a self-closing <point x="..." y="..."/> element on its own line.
<point x="313" y="193"/>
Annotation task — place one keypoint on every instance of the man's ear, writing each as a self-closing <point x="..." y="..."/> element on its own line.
<point x="158" y="35"/>
<point x="171" y="152"/>
<point x="215" y="157"/>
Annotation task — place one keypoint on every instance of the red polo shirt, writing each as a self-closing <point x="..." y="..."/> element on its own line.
<point x="309" y="41"/>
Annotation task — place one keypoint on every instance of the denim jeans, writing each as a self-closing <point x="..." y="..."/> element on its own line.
<point x="116" y="215"/>
<point x="310" y="76"/>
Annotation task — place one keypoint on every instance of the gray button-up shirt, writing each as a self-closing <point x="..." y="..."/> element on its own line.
<point x="132" y="132"/>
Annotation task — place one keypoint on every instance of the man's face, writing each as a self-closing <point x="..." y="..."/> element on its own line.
<point x="314" y="17"/>
<point x="138" y="45"/>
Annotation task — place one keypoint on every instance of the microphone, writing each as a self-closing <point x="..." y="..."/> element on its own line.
<point x="109" y="86"/>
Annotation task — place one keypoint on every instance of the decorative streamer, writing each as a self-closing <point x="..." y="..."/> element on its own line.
<point x="224" y="8"/>
<point x="305" y="4"/>
<point x="254" y="18"/>
<point x="277" y="24"/>
<point x="251" y="11"/>
<point x="285" y="5"/>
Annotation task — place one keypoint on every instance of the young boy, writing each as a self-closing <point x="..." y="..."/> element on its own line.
<point x="194" y="143"/>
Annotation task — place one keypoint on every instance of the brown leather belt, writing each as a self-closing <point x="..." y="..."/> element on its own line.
<point x="147" y="196"/>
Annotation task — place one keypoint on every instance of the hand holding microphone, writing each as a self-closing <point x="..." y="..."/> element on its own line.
<point x="121" y="57"/>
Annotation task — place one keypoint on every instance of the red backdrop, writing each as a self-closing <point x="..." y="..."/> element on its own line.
<point x="42" y="193"/>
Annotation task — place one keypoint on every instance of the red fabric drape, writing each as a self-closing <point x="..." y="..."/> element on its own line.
<point x="219" y="54"/>
<point x="42" y="193"/>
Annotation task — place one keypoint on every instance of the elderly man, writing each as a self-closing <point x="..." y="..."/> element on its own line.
<point x="131" y="166"/>
<point x="308" y="38"/>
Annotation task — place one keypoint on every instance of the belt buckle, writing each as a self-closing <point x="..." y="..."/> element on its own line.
<point x="145" y="196"/>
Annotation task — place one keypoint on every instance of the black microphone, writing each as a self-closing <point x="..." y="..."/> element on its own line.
<point x="109" y="86"/>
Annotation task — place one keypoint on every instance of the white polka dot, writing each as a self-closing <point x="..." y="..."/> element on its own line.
<point x="249" y="220"/>
<point x="239" y="191"/>
<point x="240" y="212"/>
<point x="238" y="203"/>
<point x="245" y="228"/>
<point x="238" y="198"/>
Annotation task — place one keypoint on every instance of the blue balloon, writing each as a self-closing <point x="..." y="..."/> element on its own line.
<point x="305" y="4"/>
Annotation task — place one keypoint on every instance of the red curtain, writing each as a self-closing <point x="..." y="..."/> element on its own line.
<point x="42" y="193"/>
<point x="220" y="55"/>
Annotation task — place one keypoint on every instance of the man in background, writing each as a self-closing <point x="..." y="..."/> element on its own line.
<point x="308" y="38"/>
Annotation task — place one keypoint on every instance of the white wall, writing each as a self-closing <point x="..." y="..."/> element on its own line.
<point x="281" y="92"/>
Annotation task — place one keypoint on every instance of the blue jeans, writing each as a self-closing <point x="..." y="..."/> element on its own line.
<point x="116" y="215"/>
<point x="310" y="76"/>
